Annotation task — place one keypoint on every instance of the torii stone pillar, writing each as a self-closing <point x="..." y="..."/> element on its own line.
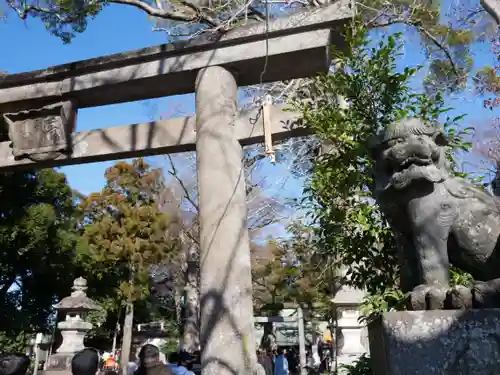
<point x="227" y="327"/>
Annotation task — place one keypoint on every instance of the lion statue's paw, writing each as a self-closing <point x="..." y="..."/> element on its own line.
<point x="439" y="297"/>
<point x="459" y="298"/>
<point x="486" y="294"/>
<point x="427" y="297"/>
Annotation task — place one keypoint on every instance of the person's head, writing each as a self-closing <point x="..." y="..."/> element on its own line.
<point x="281" y="351"/>
<point x="85" y="362"/>
<point x="14" y="364"/>
<point x="149" y="354"/>
<point x="173" y="358"/>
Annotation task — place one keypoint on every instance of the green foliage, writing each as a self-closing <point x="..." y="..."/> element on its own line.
<point x="349" y="227"/>
<point x="67" y="18"/>
<point x="272" y="269"/>
<point x="97" y="317"/>
<point x="459" y="277"/>
<point x="315" y="278"/>
<point x="388" y="299"/>
<point x="444" y="38"/>
<point x="64" y="18"/>
<point x="488" y="82"/>
<point x="172" y="342"/>
<point x="15" y="343"/>
<point x="290" y="271"/>
<point x="124" y="233"/>
<point x="362" y="366"/>
<point x="37" y="237"/>
<point x="170" y="346"/>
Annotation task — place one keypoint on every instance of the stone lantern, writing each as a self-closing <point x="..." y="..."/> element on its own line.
<point x="74" y="328"/>
<point x="350" y="342"/>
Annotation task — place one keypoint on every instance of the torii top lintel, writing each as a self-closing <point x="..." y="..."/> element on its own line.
<point x="297" y="46"/>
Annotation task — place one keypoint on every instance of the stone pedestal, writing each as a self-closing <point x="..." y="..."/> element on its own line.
<point x="59" y="363"/>
<point x="449" y="342"/>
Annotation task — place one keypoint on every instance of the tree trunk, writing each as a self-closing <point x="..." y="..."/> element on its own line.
<point x="191" y="334"/>
<point x="127" y="337"/>
<point x="493" y="8"/>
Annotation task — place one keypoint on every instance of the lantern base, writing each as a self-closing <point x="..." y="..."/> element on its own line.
<point x="59" y="362"/>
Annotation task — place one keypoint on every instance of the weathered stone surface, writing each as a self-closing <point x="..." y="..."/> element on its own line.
<point x="226" y="309"/>
<point x="74" y="328"/>
<point x="154" y="138"/>
<point x="302" y="38"/>
<point x="438" y="219"/>
<point x="327" y="17"/>
<point x="60" y="362"/>
<point x="78" y="300"/>
<point x="175" y="74"/>
<point x="41" y="134"/>
<point x="451" y="342"/>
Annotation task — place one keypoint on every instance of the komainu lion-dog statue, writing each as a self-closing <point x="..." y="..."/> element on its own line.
<point x="438" y="219"/>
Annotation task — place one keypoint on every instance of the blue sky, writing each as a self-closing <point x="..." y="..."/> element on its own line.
<point x="28" y="46"/>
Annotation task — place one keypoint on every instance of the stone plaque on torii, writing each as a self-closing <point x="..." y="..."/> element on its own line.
<point x="42" y="124"/>
<point x="43" y="133"/>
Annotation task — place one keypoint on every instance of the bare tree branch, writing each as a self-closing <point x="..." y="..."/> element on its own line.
<point x="173" y="172"/>
<point x="197" y="16"/>
<point x="374" y="23"/>
<point x="194" y="15"/>
<point x="27" y="9"/>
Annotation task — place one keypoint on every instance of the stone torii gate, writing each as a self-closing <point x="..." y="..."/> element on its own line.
<point x="40" y="108"/>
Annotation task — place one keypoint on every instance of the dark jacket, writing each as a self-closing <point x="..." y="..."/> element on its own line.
<point x="267" y="363"/>
<point x="156" y="368"/>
